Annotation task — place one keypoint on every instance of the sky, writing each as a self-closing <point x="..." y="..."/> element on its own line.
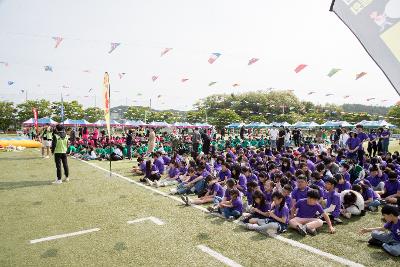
<point x="282" y="34"/>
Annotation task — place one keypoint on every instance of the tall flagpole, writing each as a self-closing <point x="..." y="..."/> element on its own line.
<point x="109" y="117"/>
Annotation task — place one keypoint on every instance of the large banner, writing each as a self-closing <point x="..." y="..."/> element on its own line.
<point x="106" y="95"/>
<point x="35" y="118"/>
<point x="376" y="24"/>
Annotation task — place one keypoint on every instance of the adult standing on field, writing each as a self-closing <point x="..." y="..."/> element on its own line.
<point x="196" y="141"/>
<point x="46" y="135"/>
<point x="152" y="141"/>
<point x="59" y="149"/>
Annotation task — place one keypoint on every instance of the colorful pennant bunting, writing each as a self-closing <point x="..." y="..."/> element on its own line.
<point x="211" y="83"/>
<point x="10" y="82"/>
<point x="113" y="47"/>
<point x="359" y="75"/>
<point x="154" y="78"/>
<point x="213" y="57"/>
<point x="333" y="72"/>
<point x="166" y="50"/>
<point x="300" y="68"/>
<point x="252" y="61"/>
<point x="58" y="41"/>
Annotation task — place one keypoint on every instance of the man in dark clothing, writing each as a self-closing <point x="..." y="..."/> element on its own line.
<point x="281" y="138"/>
<point x="59" y="147"/>
<point x="242" y="132"/>
<point x="129" y="142"/>
<point x="196" y="141"/>
<point x="296" y="137"/>
<point x="206" y="143"/>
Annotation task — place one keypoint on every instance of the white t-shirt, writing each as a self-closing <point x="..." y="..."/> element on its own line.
<point x="343" y="138"/>
<point x="273" y="134"/>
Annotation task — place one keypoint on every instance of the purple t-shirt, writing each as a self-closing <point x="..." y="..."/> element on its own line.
<point x="288" y="200"/>
<point x="243" y="182"/>
<point x="284" y="212"/>
<point x="342" y="187"/>
<point x="173" y="172"/>
<point x="218" y="189"/>
<point x="375" y="180"/>
<point x="362" y="136"/>
<point x="333" y="198"/>
<point x="308" y="211"/>
<point x="160" y="165"/>
<point x="352" y="143"/>
<point x="153" y="169"/>
<point x="369" y="193"/>
<point x="263" y="207"/>
<point x="252" y="177"/>
<point x="224" y="175"/>
<point x="346" y="176"/>
<point x="237" y="204"/>
<point x="227" y="194"/>
<point x="392" y="187"/>
<point x="310" y="165"/>
<point x="298" y="194"/>
<point x="142" y="166"/>
<point x="394" y="228"/>
<point x="166" y="160"/>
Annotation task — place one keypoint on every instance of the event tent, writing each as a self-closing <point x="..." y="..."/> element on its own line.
<point x="41" y="122"/>
<point x="235" y="125"/>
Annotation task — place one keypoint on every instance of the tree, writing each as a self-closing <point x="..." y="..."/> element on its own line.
<point x="7" y="116"/>
<point x="25" y="109"/>
<point x="137" y="113"/>
<point x="193" y="116"/>
<point x="94" y="114"/>
<point x="221" y="118"/>
<point x="394" y="115"/>
<point x="72" y="110"/>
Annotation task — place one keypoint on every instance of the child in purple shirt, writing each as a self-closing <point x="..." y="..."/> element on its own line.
<point x="391" y="190"/>
<point x="277" y="219"/>
<point x="214" y="189"/>
<point x="300" y="192"/>
<point x="332" y="200"/>
<point x="389" y="241"/>
<point x="371" y="198"/>
<point x="307" y="210"/>
<point x="233" y="209"/>
<point x="173" y="176"/>
<point x="342" y="184"/>
<point x="224" y="174"/>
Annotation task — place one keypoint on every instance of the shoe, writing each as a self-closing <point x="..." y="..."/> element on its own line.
<point x="66" y="179"/>
<point x="347" y="215"/>
<point x="185" y="199"/>
<point x="231" y="218"/>
<point x="47" y="157"/>
<point x="57" y="182"/>
<point x="157" y="184"/>
<point x="311" y="232"/>
<point x="375" y="242"/>
<point x="150" y="183"/>
<point x="337" y="220"/>
<point x="173" y="191"/>
<point x="373" y="209"/>
<point x="250" y="226"/>
<point x="188" y="202"/>
<point x="302" y="230"/>
<point x="210" y="209"/>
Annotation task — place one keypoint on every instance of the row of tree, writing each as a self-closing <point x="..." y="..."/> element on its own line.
<point x="218" y="110"/>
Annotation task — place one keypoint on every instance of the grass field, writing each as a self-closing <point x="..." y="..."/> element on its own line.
<point x="33" y="208"/>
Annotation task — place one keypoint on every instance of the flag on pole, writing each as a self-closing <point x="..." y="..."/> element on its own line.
<point x="166" y="50"/>
<point x="35" y="118"/>
<point x="376" y="25"/>
<point x="58" y="40"/>
<point x="300" y="68"/>
<point x="106" y="95"/>
<point x="359" y="75"/>
<point x="333" y="72"/>
<point x="213" y="57"/>
<point x="113" y="47"/>
<point x="252" y="61"/>
<point x="154" y="78"/>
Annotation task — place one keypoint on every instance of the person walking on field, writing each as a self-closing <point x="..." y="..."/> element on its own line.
<point x="59" y="149"/>
<point x="46" y="140"/>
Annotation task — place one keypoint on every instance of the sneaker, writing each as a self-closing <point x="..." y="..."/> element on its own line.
<point x="210" y="209"/>
<point x="66" y="179"/>
<point x="373" y="209"/>
<point x="375" y="242"/>
<point x="311" y="232"/>
<point x="337" y="220"/>
<point x="302" y="230"/>
<point x="57" y="182"/>
<point x="188" y="202"/>
<point x="347" y="215"/>
<point x="250" y="226"/>
<point x="149" y="182"/>
<point x="231" y="218"/>
<point x="173" y="191"/>
<point x="184" y="199"/>
<point x="157" y="184"/>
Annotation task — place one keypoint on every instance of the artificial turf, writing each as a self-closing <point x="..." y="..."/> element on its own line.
<point x="31" y="208"/>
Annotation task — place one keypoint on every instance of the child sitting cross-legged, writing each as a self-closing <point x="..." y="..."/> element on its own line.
<point x="277" y="219"/>
<point x="233" y="209"/>
<point x="173" y="176"/>
<point x="218" y="201"/>
<point x="213" y="189"/>
<point x="389" y="241"/>
<point x="307" y="212"/>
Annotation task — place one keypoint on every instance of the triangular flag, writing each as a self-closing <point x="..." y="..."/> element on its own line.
<point x="252" y="61"/>
<point x="90" y="90"/>
<point x="48" y="68"/>
<point x="328" y="94"/>
<point x="159" y="96"/>
<point x="211" y="83"/>
<point x="235" y="84"/>
<point x="58" y="41"/>
<point x="154" y="78"/>
<point x="346" y="96"/>
<point x="113" y="47"/>
<point x="166" y="50"/>
<point x="369" y="99"/>
<point x="333" y="72"/>
<point x="213" y="57"/>
<point x="310" y="93"/>
<point x="300" y="68"/>
<point x="121" y="75"/>
<point x="184" y="80"/>
<point x="359" y="75"/>
<point x="10" y="82"/>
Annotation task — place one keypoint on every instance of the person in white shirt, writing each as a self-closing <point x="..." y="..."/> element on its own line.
<point x="273" y="136"/>
<point x="343" y="138"/>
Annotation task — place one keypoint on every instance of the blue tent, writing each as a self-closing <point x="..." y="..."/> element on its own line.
<point x="235" y="125"/>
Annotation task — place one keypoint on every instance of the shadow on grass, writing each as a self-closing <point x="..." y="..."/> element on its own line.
<point x="22" y="184"/>
<point x="120" y="246"/>
<point x="50" y="253"/>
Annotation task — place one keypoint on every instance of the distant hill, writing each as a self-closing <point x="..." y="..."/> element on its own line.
<point x="373" y="110"/>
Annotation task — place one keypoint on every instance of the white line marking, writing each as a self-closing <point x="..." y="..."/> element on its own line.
<point x="63" y="235"/>
<point x="218" y="256"/>
<point x="153" y="219"/>
<point x="280" y="238"/>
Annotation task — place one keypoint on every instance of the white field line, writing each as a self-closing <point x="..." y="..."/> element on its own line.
<point x="218" y="256"/>
<point x="153" y="219"/>
<point x="280" y="238"/>
<point x="63" y="235"/>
